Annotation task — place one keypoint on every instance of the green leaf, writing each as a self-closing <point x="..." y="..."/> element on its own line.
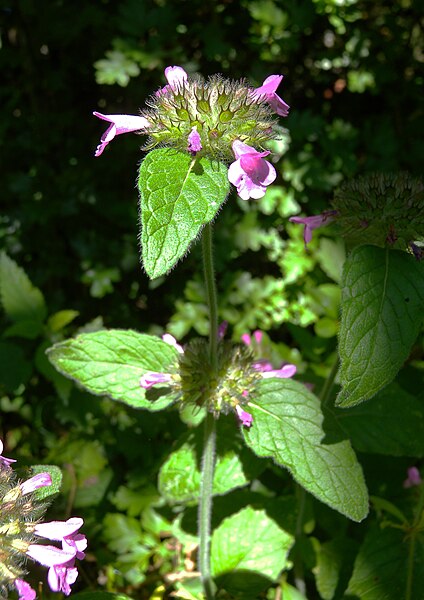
<point x="178" y="195"/>
<point x="382" y="566"/>
<point x="111" y="362"/>
<point x="289" y="426"/>
<point x="392" y="423"/>
<point x="382" y="310"/>
<point x="21" y="300"/>
<point x="248" y="552"/>
<point x="179" y="477"/>
<point x="334" y="560"/>
<point x="60" y="319"/>
<point x="100" y="596"/>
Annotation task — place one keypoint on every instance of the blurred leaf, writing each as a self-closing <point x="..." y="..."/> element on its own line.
<point x="382" y="311"/>
<point x="392" y="423"/>
<point x="178" y="195"/>
<point x="21" y="300"/>
<point x="289" y="427"/>
<point x="382" y="566"/>
<point x="248" y="552"/>
<point x="100" y="596"/>
<point x="15" y="370"/>
<point x="115" y="68"/>
<point x="111" y="362"/>
<point x="60" y="319"/>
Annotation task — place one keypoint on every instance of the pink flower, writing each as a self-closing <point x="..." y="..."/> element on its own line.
<point x="119" y="124"/>
<point x="61" y="577"/>
<point x="38" y="481"/>
<point x="152" y="378"/>
<point x="5" y="462"/>
<point x="246" y="418"/>
<point x="413" y="479"/>
<point x="284" y="372"/>
<point x="314" y="222"/>
<point x="176" y="76"/>
<point x="62" y="572"/>
<point x="24" y="590"/>
<point x="169" y="339"/>
<point x="65" y="532"/>
<point x="250" y="173"/>
<point x="194" y="141"/>
<point x="267" y="92"/>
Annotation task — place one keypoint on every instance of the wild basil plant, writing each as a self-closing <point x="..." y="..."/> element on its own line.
<point x="200" y="137"/>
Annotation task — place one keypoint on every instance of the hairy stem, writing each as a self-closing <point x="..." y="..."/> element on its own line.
<point x="208" y="457"/>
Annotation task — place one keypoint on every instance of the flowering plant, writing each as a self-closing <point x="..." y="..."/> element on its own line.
<point x="203" y="136"/>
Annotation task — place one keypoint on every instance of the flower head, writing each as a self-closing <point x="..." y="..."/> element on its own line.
<point x="314" y="222"/>
<point x="250" y="173"/>
<point x="267" y="91"/>
<point x="119" y="124"/>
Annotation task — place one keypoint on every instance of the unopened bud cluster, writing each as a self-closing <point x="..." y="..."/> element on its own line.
<point x="381" y="209"/>
<point x="221" y="110"/>
<point x="220" y="388"/>
<point x="19" y="514"/>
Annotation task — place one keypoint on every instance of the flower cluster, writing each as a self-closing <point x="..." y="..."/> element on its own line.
<point x="382" y="209"/>
<point x="218" y="118"/>
<point x="20" y="531"/>
<point x="219" y="388"/>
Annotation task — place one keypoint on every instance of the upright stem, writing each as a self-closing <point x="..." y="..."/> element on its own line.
<point x="208" y="457"/>
<point x="209" y="274"/>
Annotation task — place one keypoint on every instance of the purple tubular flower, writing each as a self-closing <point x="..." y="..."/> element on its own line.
<point x="5" y="462"/>
<point x="169" y="339"/>
<point x="38" y="481"/>
<point x="24" y="590"/>
<point x="250" y="173"/>
<point x="267" y="91"/>
<point x="150" y="379"/>
<point x="285" y="372"/>
<point x="119" y="124"/>
<point x="314" y="222"/>
<point x="62" y="571"/>
<point x="194" y="141"/>
<point x="67" y="533"/>
<point x="245" y="418"/>
<point x="61" y="577"/>
<point x="175" y="76"/>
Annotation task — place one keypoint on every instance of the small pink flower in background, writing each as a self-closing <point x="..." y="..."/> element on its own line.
<point x="119" y="124"/>
<point x="268" y="91"/>
<point x="246" y="418"/>
<point x="194" y="141"/>
<point x="413" y="479"/>
<point x="38" y="481"/>
<point x="5" y="462"/>
<point x="24" y="590"/>
<point x="314" y="222"/>
<point x="250" y="173"/>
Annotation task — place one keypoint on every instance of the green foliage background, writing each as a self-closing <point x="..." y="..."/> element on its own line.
<point x="353" y="77"/>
